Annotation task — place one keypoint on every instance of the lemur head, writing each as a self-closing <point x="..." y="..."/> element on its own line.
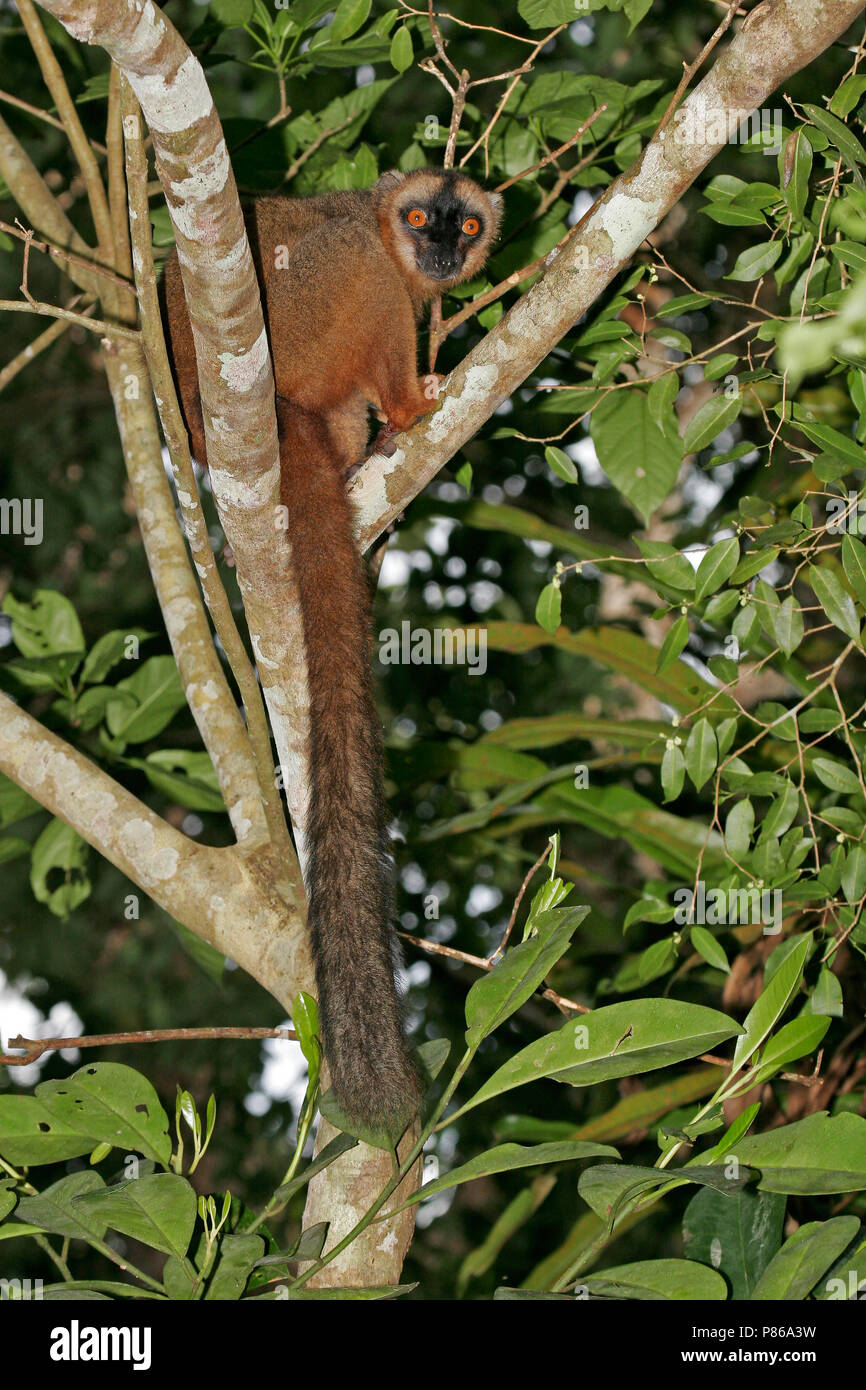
<point x="438" y="226"/>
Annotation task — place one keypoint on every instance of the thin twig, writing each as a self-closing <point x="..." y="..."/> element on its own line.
<point x="36" y="1046"/>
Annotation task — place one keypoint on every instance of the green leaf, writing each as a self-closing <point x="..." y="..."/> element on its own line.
<point x="716" y="567"/>
<point x="623" y="1039"/>
<point x="159" y="1210"/>
<point x="56" y="1210"/>
<point x="805" y="1256"/>
<point x="559" y="462"/>
<point x="506" y="1157"/>
<point x="854" y="874"/>
<point x="111" y="648"/>
<point x="640" y="459"/>
<point x="707" y="946"/>
<point x="60" y="848"/>
<point x="707" y="423"/>
<point x="798" y="169"/>
<point x="349" y="17"/>
<point x="548" y="610"/>
<point x="48" y="626"/>
<point x="836" y="776"/>
<point x="839" y="135"/>
<point x="836" y="603"/>
<point x="157" y="693"/>
<point x="184" y="775"/>
<point x="817" y="1156"/>
<point x="402" y="52"/>
<point x="237" y="1257"/>
<point x="113" y="1104"/>
<point x="786" y="624"/>
<point x="502" y="990"/>
<point x="739" y="826"/>
<point x="797" y="1039"/>
<point x="679" y="1280"/>
<point x="30" y="1133"/>
<point x="737" y="1233"/>
<point x="668" y="565"/>
<point x="676" y="639"/>
<point x="701" y="752"/>
<point x="772" y="1002"/>
<point x="756" y="260"/>
<point x="673" y="771"/>
<point x="854" y="564"/>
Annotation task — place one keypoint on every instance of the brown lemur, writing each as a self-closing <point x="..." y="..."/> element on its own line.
<point x="344" y="277"/>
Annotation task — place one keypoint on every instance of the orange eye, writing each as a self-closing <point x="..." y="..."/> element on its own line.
<point x="471" y="226"/>
<point x="417" y="218"/>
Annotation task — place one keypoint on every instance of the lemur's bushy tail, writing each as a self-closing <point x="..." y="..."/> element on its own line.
<point x="348" y="876"/>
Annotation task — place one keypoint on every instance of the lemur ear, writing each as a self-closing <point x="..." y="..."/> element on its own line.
<point x="390" y="180"/>
<point x="495" y="201"/>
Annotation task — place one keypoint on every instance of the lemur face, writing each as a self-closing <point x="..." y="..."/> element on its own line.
<point x="437" y="224"/>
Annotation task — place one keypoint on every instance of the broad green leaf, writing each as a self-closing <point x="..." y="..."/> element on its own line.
<point x="47" y="626"/>
<point x="854" y="874"/>
<point x="795" y="1040"/>
<point x="707" y="946"/>
<point x="805" y="1256"/>
<point x="826" y="998"/>
<point x="837" y="604"/>
<point x="736" y="1233"/>
<point x="184" y="775"/>
<point x="158" y="694"/>
<point x="836" y="775"/>
<point x="560" y="463"/>
<point x="159" y="1210"/>
<point x="679" y="1280"/>
<point x="59" y="847"/>
<point x="111" y="648"/>
<point x="854" y="563"/>
<point x="786" y="624"/>
<point x="401" y="49"/>
<point x="113" y="1104"/>
<point x="501" y="991"/>
<point x="756" y="260"/>
<point x="716" y="567"/>
<point x="673" y="771"/>
<point x="237" y="1256"/>
<point x="15" y="803"/>
<point x="739" y="826"/>
<point x="819" y="1155"/>
<point x="772" y="1002"/>
<point x="623" y="1039"/>
<point x="701" y="752"/>
<point x="548" y="610"/>
<point x="676" y="639"/>
<point x="611" y="1189"/>
<point x="839" y="135"/>
<point x="506" y="1157"/>
<point x="708" y="422"/>
<point x="668" y="565"/>
<point x="30" y="1133"/>
<point x="640" y="459"/>
<point x="55" y="1209"/>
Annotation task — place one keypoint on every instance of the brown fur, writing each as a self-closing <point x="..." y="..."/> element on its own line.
<point x="341" y="323"/>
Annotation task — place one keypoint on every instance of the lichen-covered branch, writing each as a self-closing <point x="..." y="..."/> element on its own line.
<point x="225" y="897"/>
